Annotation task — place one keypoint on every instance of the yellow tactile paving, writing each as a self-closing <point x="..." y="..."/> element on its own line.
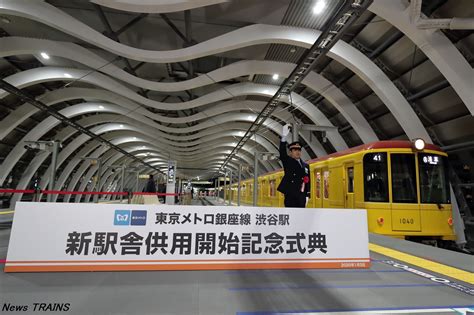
<point x="451" y="272"/>
<point x="7" y="212"/>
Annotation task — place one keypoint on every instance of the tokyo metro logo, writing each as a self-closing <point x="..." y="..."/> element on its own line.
<point x="122" y="217"/>
<point x="130" y="217"/>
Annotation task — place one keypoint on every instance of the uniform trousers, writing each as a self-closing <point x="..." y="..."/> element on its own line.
<point x="295" y="200"/>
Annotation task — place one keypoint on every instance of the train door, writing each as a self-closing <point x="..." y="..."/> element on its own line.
<point x="318" y="177"/>
<point x="406" y="214"/>
<point x="326" y="188"/>
<point x="349" y="185"/>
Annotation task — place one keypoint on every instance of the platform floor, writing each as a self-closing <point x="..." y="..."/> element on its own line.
<point x="382" y="289"/>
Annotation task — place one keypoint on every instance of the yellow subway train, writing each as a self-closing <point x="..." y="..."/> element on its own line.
<point x="405" y="191"/>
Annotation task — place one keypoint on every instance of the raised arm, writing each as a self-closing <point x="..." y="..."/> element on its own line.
<point x="284" y="135"/>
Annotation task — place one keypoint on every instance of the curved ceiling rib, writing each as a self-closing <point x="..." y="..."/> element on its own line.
<point x="23" y="111"/>
<point x="91" y="146"/>
<point x="156" y="6"/>
<point x="343" y="53"/>
<point x="313" y="81"/>
<point x="434" y="44"/>
<point x="45" y="74"/>
<point x="109" y="160"/>
<point x="243" y="37"/>
<point x="26" y="110"/>
<point x="75" y="110"/>
<point x="92" y="149"/>
<point x="38" y="75"/>
<point x="83" y="168"/>
<point x="110" y="178"/>
<point x="120" y="139"/>
<point x="37" y="132"/>
<point x="316" y="82"/>
<point x="82" y="139"/>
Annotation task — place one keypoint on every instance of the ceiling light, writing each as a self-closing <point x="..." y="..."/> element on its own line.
<point x="121" y="126"/>
<point x="45" y="55"/>
<point x="319" y="7"/>
<point x="292" y="50"/>
<point x="101" y="107"/>
<point x="67" y="75"/>
<point x="275" y="76"/>
<point x="134" y="138"/>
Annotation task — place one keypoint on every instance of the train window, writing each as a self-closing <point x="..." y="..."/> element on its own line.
<point x="403" y="178"/>
<point x="272" y="188"/>
<point x="326" y="184"/>
<point x="375" y="177"/>
<point x="350" y="179"/>
<point x="434" y="186"/>
<point x="318" y="184"/>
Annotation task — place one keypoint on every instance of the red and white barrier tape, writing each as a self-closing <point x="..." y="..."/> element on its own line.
<point x="62" y="192"/>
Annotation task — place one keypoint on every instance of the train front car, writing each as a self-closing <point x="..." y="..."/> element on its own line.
<point x="406" y="190"/>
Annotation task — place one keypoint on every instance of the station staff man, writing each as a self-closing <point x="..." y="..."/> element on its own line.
<point x="296" y="183"/>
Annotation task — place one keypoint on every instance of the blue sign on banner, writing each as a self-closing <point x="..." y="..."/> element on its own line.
<point x="122" y="217"/>
<point x="138" y="217"/>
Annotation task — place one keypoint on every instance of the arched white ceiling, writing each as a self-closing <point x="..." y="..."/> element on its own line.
<point x="44" y="74"/>
<point x="150" y="145"/>
<point x="121" y="138"/>
<point x="434" y="44"/>
<point x="437" y="47"/>
<point x="251" y="35"/>
<point x="19" y="46"/>
<point x="81" y="139"/>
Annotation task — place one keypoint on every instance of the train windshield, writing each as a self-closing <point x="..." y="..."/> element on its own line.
<point x="403" y="178"/>
<point x="434" y="187"/>
<point x="375" y="177"/>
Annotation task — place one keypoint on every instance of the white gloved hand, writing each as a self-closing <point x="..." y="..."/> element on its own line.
<point x="307" y="199"/>
<point x="285" y="132"/>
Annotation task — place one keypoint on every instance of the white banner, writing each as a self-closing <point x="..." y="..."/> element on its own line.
<point x="95" y="237"/>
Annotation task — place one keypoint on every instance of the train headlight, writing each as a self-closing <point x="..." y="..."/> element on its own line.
<point x="450" y="221"/>
<point x="419" y="144"/>
<point x="380" y="220"/>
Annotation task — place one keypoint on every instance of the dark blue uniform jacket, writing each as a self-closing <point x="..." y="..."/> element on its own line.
<point x="294" y="174"/>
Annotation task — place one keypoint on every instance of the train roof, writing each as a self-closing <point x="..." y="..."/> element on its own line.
<point x="390" y="144"/>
